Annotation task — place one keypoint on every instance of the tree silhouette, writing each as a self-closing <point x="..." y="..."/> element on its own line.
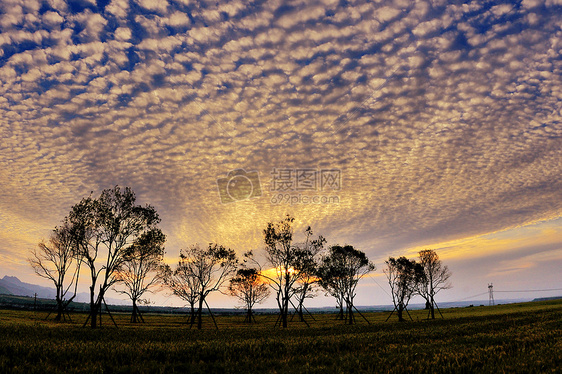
<point x="208" y="269"/>
<point x="403" y="277"/>
<point x="103" y="229"/>
<point x="436" y="278"/>
<point x="141" y="268"/>
<point x="307" y="263"/>
<point x="182" y="284"/>
<point x="339" y="273"/>
<point x="283" y="257"/>
<point x="248" y="287"/>
<point x="54" y="260"/>
<point x="332" y="280"/>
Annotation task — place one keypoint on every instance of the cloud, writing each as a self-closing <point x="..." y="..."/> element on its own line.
<point x="178" y="19"/>
<point x="119" y="8"/>
<point x="160" y="6"/>
<point x="444" y="120"/>
<point x="528" y="262"/>
<point x="52" y="19"/>
<point x="92" y="25"/>
<point x="123" y="33"/>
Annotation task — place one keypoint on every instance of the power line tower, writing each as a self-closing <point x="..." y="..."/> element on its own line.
<point x="490" y="294"/>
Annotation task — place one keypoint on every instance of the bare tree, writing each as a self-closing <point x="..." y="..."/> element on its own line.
<point x="248" y="287"/>
<point x="141" y="268"/>
<point x="54" y="260"/>
<point x="182" y="284"/>
<point x="403" y="277"/>
<point x="436" y="278"/>
<point x="209" y="268"/>
<point x="339" y="272"/>
<point x="103" y="229"/>
<point x="307" y="260"/>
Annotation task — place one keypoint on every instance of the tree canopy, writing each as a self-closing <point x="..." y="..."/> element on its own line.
<point x="403" y="277"/>
<point x="339" y="273"/>
<point x="103" y="229"/>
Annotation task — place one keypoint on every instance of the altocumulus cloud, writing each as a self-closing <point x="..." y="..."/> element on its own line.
<point x="444" y="117"/>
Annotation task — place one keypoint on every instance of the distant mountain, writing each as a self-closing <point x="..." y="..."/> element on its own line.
<point x="16" y="287"/>
<point x="13" y="286"/>
<point x="548" y="298"/>
<point x="4" y="291"/>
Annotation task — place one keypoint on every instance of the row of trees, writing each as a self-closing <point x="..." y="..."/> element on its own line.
<point x="425" y="278"/>
<point x="120" y="245"/>
<point x="293" y="271"/>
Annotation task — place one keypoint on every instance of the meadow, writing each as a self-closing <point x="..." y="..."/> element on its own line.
<point x="514" y="338"/>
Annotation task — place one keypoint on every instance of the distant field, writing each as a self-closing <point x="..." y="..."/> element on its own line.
<point x="514" y="338"/>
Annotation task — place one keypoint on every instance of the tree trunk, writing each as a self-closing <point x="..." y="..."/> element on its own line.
<point x="285" y="299"/>
<point x="200" y="314"/>
<point x="93" y="310"/>
<point x="432" y="308"/>
<point x="134" y="318"/>
<point x="350" y="313"/>
<point x="192" y="314"/>
<point x="339" y="305"/>
<point x="285" y="311"/>
<point x="249" y="315"/>
<point x="94" y="316"/>
<point x="301" y="302"/>
<point x="60" y="309"/>
<point x="399" y="311"/>
<point x="60" y="305"/>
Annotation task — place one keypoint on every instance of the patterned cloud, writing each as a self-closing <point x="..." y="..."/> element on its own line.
<point x="444" y="118"/>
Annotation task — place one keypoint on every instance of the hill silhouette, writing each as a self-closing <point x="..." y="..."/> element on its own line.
<point x="13" y="286"/>
<point x="10" y="285"/>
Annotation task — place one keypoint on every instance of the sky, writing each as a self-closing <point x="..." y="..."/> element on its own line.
<point x="393" y="126"/>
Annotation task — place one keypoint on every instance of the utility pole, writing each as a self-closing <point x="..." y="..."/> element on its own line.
<point x="490" y="294"/>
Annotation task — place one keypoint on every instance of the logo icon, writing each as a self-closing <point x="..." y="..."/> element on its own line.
<point x="239" y="185"/>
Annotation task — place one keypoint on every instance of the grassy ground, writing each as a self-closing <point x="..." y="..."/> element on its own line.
<point x="525" y="338"/>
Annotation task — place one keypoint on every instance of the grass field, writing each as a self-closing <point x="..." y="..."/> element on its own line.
<point x="515" y="338"/>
